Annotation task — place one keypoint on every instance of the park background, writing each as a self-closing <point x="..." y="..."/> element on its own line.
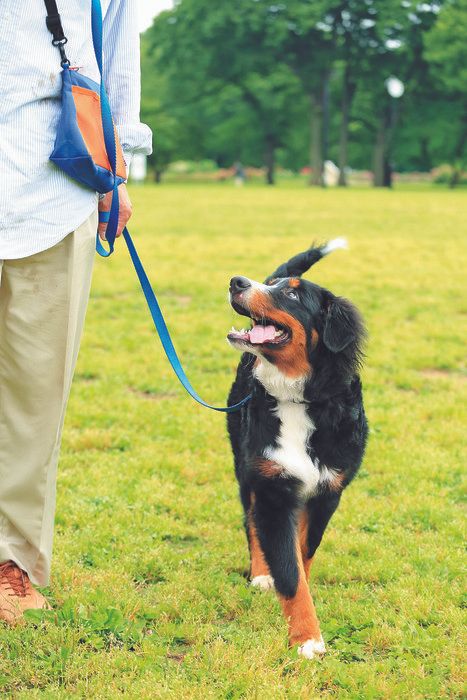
<point x="149" y="588"/>
<point x="375" y="87"/>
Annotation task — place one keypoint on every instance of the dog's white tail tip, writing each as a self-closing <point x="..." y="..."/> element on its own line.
<point x="335" y="244"/>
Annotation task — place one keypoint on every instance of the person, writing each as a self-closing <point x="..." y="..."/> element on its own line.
<point x="239" y="174"/>
<point x="48" y="225"/>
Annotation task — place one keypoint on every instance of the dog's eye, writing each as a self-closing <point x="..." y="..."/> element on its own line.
<point x="291" y="293"/>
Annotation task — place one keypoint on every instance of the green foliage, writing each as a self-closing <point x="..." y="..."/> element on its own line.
<point x="444" y="173"/>
<point x="249" y="80"/>
<point x="148" y="590"/>
<point x="101" y="628"/>
<point x="446" y="47"/>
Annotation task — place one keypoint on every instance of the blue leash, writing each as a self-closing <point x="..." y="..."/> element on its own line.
<point x="164" y="334"/>
<point x="109" y="133"/>
<point x="111" y="218"/>
<point x="161" y="325"/>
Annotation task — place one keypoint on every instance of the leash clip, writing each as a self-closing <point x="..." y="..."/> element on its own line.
<point x="60" y="44"/>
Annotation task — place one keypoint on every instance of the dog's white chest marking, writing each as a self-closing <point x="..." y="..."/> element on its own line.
<point x="295" y="430"/>
<point x="291" y="450"/>
<point x="280" y="386"/>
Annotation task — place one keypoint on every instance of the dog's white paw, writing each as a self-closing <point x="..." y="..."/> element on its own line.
<point x="312" y="648"/>
<point x="263" y="582"/>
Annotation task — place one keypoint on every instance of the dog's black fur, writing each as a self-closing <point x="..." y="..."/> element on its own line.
<point x="331" y="396"/>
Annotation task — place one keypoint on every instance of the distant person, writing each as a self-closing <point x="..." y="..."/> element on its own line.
<point x="47" y="241"/>
<point x="239" y="174"/>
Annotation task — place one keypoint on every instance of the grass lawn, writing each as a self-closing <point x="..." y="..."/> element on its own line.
<point x="149" y="590"/>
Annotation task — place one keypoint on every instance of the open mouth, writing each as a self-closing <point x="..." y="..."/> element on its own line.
<point x="263" y="332"/>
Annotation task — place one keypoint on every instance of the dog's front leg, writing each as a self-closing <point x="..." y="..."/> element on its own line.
<point x="277" y="530"/>
<point x="259" y="570"/>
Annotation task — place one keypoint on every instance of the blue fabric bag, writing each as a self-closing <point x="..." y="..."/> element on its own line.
<point x="86" y="146"/>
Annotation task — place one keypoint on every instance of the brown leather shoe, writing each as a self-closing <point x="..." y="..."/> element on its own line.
<point x="17" y="593"/>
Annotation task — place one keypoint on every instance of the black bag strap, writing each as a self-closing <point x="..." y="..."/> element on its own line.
<point x="54" y="25"/>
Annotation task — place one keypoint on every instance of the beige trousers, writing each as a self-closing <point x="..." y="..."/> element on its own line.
<point x="43" y="301"/>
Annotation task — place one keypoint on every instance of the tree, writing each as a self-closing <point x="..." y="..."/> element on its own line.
<point x="446" y="50"/>
<point x="355" y="28"/>
<point x="301" y="35"/>
<point x="156" y="114"/>
<point x="298" y="81"/>
<point x="205" y="50"/>
<point x="394" y="49"/>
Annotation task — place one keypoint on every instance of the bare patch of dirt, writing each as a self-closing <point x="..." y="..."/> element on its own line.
<point x="86" y="377"/>
<point x="152" y="395"/>
<point x="438" y="373"/>
<point x="182" y="299"/>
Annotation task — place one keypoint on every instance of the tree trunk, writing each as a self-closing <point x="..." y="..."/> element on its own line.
<point x="382" y="171"/>
<point x="325" y="101"/>
<point x="270" y="160"/>
<point x="459" y="152"/>
<point x="316" y="139"/>
<point x="387" y="181"/>
<point x="348" y="91"/>
<point x="379" y="155"/>
<point x="455" y="178"/>
<point x="158" y="175"/>
<point x="425" y="158"/>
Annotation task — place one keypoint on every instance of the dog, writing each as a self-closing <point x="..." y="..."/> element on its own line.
<point x="300" y="439"/>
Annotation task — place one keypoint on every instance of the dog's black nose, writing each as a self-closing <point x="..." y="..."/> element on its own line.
<point x="239" y="284"/>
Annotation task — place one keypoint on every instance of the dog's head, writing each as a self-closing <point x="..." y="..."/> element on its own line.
<point x="296" y="325"/>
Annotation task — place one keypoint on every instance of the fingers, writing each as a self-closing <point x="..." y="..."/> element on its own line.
<point x="101" y="230"/>
<point x="122" y="222"/>
<point x="124" y="213"/>
<point x="124" y="217"/>
<point x="104" y="205"/>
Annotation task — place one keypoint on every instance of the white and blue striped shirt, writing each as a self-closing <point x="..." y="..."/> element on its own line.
<point x="39" y="204"/>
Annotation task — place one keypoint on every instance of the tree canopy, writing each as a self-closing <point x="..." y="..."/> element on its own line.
<point x="299" y="81"/>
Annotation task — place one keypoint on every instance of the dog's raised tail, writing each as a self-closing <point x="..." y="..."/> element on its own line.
<point x="296" y="266"/>
<point x="335" y="244"/>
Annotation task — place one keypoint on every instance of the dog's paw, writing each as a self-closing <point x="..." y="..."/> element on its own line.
<point x="312" y="648"/>
<point x="266" y="583"/>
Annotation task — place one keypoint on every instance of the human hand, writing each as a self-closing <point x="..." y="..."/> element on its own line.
<point x="125" y="210"/>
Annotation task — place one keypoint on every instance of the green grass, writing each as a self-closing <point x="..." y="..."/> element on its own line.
<point x="149" y="590"/>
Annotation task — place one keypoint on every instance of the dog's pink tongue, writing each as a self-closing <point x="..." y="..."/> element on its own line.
<point x="262" y="334"/>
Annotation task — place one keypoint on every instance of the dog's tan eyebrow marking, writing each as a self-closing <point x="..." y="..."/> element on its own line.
<point x="294" y="283"/>
<point x="314" y="338"/>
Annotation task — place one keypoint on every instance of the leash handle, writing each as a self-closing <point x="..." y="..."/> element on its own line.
<point x="109" y="132"/>
<point x="164" y="334"/>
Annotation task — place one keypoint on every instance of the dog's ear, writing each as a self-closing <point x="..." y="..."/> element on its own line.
<point x="342" y="325"/>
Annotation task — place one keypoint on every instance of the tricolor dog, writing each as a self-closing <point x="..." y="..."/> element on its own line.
<point x="300" y="440"/>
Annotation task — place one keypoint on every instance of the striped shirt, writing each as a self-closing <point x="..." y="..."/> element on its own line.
<point x="39" y="204"/>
